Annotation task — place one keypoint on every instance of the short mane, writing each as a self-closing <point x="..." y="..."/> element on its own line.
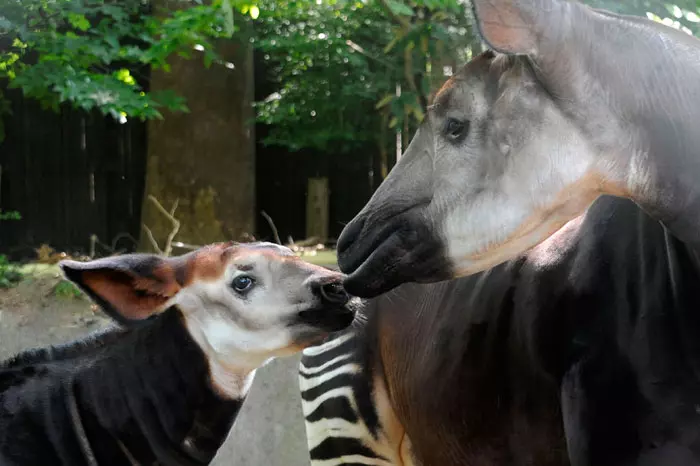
<point x="63" y="351"/>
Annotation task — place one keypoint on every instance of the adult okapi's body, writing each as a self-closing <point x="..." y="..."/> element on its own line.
<point x="585" y="351"/>
<point x="591" y="336"/>
<point x="165" y="388"/>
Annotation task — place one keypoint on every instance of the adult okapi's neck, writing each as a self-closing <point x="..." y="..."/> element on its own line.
<point x="638" y="84"/>
<point x="153" y="393"/>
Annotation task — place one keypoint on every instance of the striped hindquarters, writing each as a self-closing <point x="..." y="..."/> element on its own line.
<point x="342" y="423"/>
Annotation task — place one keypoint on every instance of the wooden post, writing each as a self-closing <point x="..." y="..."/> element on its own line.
<point x="399" y="136"/>
<point x="317" y="209"/>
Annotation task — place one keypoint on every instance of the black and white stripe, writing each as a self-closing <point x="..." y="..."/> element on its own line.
<point x="342" y="423"/>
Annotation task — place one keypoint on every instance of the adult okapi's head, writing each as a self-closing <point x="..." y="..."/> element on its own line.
<point x="523" y="139"/>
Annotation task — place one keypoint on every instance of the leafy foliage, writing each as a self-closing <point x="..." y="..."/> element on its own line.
<point x="10" y="215"/>
<point x="335" y="60"/>
<point x="324" y="84"/>
<point x="85" y="51"/>
<point x="681" y="14"/>
<point x="346" y="70"/>
<point x="331" y="58"/>
<point x="10" y="274"/>
<point x="67" y="289"/>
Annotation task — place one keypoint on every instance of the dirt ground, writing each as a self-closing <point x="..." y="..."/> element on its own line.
<point x="32" y="315"/>
<point x="270" y="429"/>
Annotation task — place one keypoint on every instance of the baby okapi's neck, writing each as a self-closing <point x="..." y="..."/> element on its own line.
<point x="231" y="369"/>
<point x="154" y="392"/>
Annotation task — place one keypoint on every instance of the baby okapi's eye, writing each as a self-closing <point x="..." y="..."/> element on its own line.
<point x="456" y="130"/>
<point x="242" y="283"/>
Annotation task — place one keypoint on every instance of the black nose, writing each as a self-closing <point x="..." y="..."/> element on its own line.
<point x="333" y="293"/>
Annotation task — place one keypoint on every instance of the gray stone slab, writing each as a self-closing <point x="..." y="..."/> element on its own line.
<point x="270" y="430"/>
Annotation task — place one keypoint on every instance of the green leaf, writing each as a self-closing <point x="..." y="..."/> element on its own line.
<point x="78" y="21"/>
<point x="124" y="76"/>
<point x="18" y="43"/>
<point x="112" y="40"/>
<point x="385" y="101"/>
<point x="399" y="8"/>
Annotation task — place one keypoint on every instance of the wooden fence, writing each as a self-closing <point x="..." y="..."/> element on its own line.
<point x="70" y="175"/>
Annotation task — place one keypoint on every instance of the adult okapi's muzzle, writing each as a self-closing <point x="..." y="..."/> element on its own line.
<point x="395" y="238"/>
<point x="395" y="251"/>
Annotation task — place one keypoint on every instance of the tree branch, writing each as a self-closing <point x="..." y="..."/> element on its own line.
<point x="153" y="241"/>
<point x="168" y="249"/>
<point x="272" y="226"/>
<point x="403" y="22"/>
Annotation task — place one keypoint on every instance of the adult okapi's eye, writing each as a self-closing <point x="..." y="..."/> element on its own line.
<point x="456" y="130"/>
<point x="242" y="283"/>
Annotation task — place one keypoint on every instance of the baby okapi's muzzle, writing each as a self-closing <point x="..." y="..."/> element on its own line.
<point x="334" y="310"/>
<point x="332" y="293"/>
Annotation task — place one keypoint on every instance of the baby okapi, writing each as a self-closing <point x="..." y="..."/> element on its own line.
<point x="165" y="386"/>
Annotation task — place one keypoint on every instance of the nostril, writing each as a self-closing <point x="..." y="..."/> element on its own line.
<point x="334" y="293"/>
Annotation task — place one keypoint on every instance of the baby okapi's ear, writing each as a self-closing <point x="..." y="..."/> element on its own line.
<point x="514" y="26"/>
<point x="129" y="288"/>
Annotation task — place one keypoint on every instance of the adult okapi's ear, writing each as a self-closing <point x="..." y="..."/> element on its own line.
<point x="129" y="288"/>
<point x="513" y="26"/>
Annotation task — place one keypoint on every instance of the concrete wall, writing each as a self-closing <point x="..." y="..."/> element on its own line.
<point x="270" y="429"/>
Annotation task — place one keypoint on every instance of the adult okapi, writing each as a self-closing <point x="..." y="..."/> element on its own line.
<point x="580" y="343"/>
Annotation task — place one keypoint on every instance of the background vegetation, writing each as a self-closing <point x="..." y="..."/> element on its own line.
<point x="348" y="71"/>
<point x="347" y="74"/>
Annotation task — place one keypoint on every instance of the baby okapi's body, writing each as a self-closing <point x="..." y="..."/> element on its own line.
<point x="140" y="396"/>
<point x="164" y="388"/>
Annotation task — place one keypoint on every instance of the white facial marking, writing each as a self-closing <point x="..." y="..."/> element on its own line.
<point x="525" y="203"/>
<point x="240" y="330"/>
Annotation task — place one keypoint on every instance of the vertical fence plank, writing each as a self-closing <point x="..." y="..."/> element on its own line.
<point x="70" y="175"/>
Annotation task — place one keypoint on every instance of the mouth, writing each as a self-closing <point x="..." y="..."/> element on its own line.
<point x="357" y="244"/>
<point x="393" y="257"/>
<point x="328" y="319"/>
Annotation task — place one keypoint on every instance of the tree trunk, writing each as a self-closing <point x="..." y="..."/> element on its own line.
<point x="317" y="195"/>
<point x="204" y="159"/>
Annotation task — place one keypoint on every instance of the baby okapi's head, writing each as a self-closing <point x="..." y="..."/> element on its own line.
<point x="242" y="303"/>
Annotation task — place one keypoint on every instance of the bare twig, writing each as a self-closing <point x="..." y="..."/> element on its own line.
<point x="272" y="225"/>
<point x="119" y="237"/>
<point x="168" y="249"/>
<point x="153" y="241"/>
<point x="359" y="49"/>
<point x="176" y="228"/>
